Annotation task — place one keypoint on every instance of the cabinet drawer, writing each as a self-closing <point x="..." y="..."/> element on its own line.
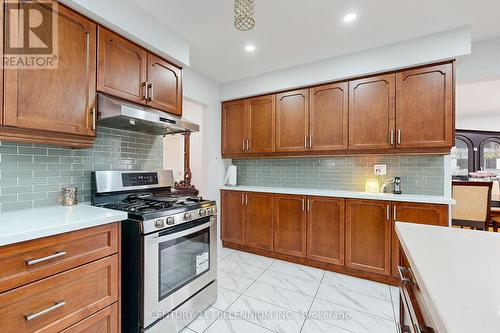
<point x="104" y="321"/>
<point x="55" y="303"/>
<point x="29" y="261"/>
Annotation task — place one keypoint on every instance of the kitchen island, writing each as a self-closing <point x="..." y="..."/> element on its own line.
<point x="457" y="276"/>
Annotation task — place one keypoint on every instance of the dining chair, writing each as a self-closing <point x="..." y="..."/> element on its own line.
<point x="472" y="208"/>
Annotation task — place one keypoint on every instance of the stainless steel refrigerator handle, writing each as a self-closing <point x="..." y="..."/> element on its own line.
<point x="57" y="305"/>
<point x="39" y="260"/>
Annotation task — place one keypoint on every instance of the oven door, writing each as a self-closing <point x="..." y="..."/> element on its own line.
<point x="178" y="263"/>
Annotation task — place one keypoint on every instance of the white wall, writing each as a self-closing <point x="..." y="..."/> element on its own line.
<point x="482" y="65"/>
<point x="480" y="123"/>
<point x="137" y="25"/>
<point x="427" y="49"/>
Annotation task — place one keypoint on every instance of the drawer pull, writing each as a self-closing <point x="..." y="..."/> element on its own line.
<point x="404" y="280"/>
<point x="56" y="305"/>
<point x="39" y="260"/>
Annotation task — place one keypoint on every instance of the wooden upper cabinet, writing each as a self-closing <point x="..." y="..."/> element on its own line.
<point x="290" y="225"/>
<point x="368" y="236"/>
<point x="234" y="127"/>
<point x="415" y="213"/>
<point x="372" y="112"/>
<point x="233" y="217"/>
<point x="261" y="124"/>
<point x="259" y="212"/>
<point x="122" y="67"/>
<point x="325" y="229"/>
<point x="59" y="100"/>
<point x="328" y="117"/>
<point x="292" y="120"/>
<point x="164" y="85"/>
<point x="424" y="107"/>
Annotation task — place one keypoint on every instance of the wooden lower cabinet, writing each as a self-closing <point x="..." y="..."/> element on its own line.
<point x="368" y="235"/>
<point x="415" y="213"/>
<point x="351" y="236"/>
<point x="325" y="229"/>
<point x="259" y="220"/>
<point x="79" y="293"/>
<point x="290" y="225"/>
<point x="233" y="217"/>
<point x="104" y="321"/>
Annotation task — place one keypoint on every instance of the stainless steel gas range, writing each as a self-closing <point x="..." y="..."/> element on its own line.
<point x="169" y="259"/>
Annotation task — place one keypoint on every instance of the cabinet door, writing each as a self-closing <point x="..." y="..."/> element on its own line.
<point x="290" y="225"/>
<point x="261" y="124"/>
<point x="328" y="117"/>
<point x="234" y="127"/>
<point x="371" y="113"/>
<point x="292" y="120"/>
<point x="233" y="217"/>
<point x="424" y="111"/>
<point x="415" y="213"/>
<point x="62" y="99"/>
<point x="325" y="229"/>
<point x="368" y="236"/>
<point x="121" y="67"/>
<point x="104" y="321"/>
<point x="164" y="85"/>
<point x="259" y="220"/>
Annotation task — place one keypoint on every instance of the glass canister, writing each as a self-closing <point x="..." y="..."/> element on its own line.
<point x="69" y="196"/>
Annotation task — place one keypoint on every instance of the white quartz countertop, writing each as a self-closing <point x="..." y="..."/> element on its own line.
<point x="346" y="194"/>
<point x="27" y="224"/>
<point x="458" y="273"/>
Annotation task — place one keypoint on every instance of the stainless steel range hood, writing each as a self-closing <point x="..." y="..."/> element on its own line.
<point x="116" y="113"/>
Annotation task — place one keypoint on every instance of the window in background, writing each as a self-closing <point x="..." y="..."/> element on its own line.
<point x="460" y="158"/>
<point x="490" y="156"/>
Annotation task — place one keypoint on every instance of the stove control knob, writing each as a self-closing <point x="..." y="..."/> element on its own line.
<point x="170" y="220"/>
<point x="187" y="216"/>
<point x="160" y="223"/>
<point x="202" y="212"/>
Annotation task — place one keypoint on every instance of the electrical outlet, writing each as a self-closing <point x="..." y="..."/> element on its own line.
<point x="380" y="169"/>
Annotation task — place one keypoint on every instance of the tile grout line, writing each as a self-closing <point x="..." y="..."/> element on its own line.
<point x="314" y="298"/>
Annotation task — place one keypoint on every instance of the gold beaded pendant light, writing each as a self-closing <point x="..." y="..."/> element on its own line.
<point x="244" y="14"/>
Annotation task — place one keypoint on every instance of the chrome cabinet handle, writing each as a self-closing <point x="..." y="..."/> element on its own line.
<point x="242" y="199"/>
<point x="404" y="280"/>
<point x="145" y="87"/>
<point x="394" y="213"/>
<point x="388" y="213"/>
<point x="310" y="141"/>
<point x="39" y="260"/>
<point x="308" y="205"/>
<point x="248" y="144"/>
<point x="303" y="205"/>
<point x="305" y="142"/>
<point x="399" y="136"/>
<point x="392" y="137"/>
<point x="150" y="92"/>
<point x="246" y="199"/>
<point x="243" y="145"/>
<point x="57" y="305"/>
<point x="94" y="118"/>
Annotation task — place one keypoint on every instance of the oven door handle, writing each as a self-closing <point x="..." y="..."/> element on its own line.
<point x="161" y="239"/>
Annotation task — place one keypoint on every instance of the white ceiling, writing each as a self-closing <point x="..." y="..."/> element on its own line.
<point x="478" y="99"/>
<point x="294" y="32"/>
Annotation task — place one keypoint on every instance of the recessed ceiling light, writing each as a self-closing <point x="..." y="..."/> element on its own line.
<point x="350" y="17"/>
<point x="250" y="48"/>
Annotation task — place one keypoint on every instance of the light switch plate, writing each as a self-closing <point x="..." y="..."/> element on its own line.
<point x="380" y="169"/>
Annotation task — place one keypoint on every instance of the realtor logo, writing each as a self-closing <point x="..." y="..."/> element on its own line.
<point x="31" y="34"/>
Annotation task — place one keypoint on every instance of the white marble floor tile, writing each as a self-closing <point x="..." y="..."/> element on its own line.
<point x="297" y="270"/>
<point x="233" y="282"/>
<point x="240" y="268"/>
<point x="356" y="301"/>
<point x="267" y="315"/>
<point x="230" y="324"/>
<point x="223" y="252"/>
<point x="225" y="298"/>
<point x="251" y="259"/>
<point x="318" y="326"/>
<point x="349" y="319"/>
<point x="205" y="319"/>
<point x="287" y="299"/>
<point x="394" y="294"/>
<point x="361" y="286"/>
<point x="290" y="282"/>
